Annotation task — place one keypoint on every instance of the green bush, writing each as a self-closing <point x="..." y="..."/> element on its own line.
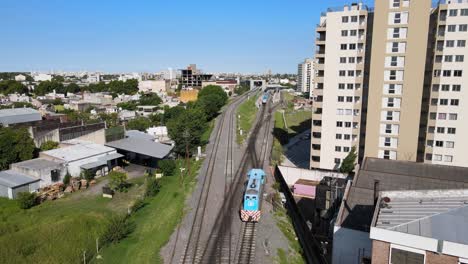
<point x="48" y="145"/>
<point x="152" y="187"/>
<point x="138" y="204"/>
<point x="87" y="175"/>
<point x="118" y="181"/>
<point x="66" y="179"/>
<point x="118" y="228"/>
<point x="26" y="200"/>
<point x="167" y="167"/>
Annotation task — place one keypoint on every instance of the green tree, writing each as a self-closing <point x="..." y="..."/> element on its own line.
<point x="73" y="88"/>
<point x="117" y="180"/>
<point x="26" y="200"/>
<point x="66" y="179"/>
<point x="167" y="166"/>
<point x="140" y="123"/>
<point x="150" y="99"/>
<point x="48" y="145"/>
<point x="211" y="104"/>
<point x="48" y="87"/>
<point x="347" y="166"/>
<point x="192" y="122"/>
<point x="240" y="89"/>
<point x="15" y="145"/>
<point x="118" y="228"/>
<point x="11" y="86"/>
<point x="214" y="89"/>
<point x="58" y="78"/>
<point x="111" y="119"/>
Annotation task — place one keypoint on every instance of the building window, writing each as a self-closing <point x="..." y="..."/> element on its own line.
<point x="464" y="12"/>
<point x="341" y="86"/>
<point x="443" y="102"/>
<point x="346" y="149"/>
<point x="439" y="143"/>
<point x="461" y="43"/>
<point x="396" y="32"/>
<point x="453" y="12"/>
<point x="454" y="102"/>
<point x="456" y="87"/>
<point x="392" y="75"/>
<point x="453" y="116"/>
<point x="354" y="19"/>
<point x="338" y="136"/>
<point x="352" y="46"/>
<point x="451" y="28"/>
<point x="397" y="18"/>
<point x="337" y="148"/>
<point x="436" y="73"/>
<point x="351" y="60"/>
<point x="349" y="99"/>
<point x="448" y="158"/>
<point x="438" y="157"/>
<point x="442" y="116"/>
<point x="438" y="58"/>
<point x="430" y="143"/>
<point x="344" y="33"/>
<point x="347" y="124"/>
<point x="386" y="154"/>
<point x="395" y="47"/>
<point x="353" y="32"/>
<point x="459" y="58"/>
<point x="396" y="3"/>
<point x="344" y="19"/>
<point x="462" y="28"/>
<point x="432" y="116"/>
<point x="347" y="136"/>
<point x="394" y="61"/>
<point x="435" y="87"/>
<point x="451" y="130"/>
<point x="445" y="87"/>
<point x="337" y="161"/>
<point x="448" y="58"/>
<point x="434" y="101"/>
<point x="449" y="144"/>
<point x="342" y="73"/>
<point x="340" y="98"/>
<point x="349" y="86"/>
<point x="441" y="130"/>
<point x="342" y="59"/>
<point x="446" y="73"/>
<point x="351" y="73"/>
<point x="457" y="73"/>
<point x="428" y="156"/>
<point x="430" y="129"/>
<point x="343" y="46"/>
<point x="450" y="43"/>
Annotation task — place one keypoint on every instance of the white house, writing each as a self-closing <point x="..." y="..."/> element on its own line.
<point x="41" y="77"/>
<point x="20" y="78"/>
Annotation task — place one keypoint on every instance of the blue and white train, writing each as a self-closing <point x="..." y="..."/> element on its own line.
<point x="265" y="98"/>
<point x="251" y="205"/>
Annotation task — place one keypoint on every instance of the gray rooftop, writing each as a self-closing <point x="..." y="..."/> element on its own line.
<point x="358" y="208"/>
<point x="142" y="146"/>
<point x="138" y="134"/>
<point x="19" y="115"/>
<point x="442" y="215"/>
<point x="78" y="150"/>
<point x="37" y="164"/>
<point x="14" y="179"/>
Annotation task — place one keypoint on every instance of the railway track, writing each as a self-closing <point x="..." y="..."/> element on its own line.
<point x="247" y="243"/>
<point x="193" y="250"/>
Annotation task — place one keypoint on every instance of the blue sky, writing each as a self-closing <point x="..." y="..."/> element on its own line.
<point x="105" y="35"/>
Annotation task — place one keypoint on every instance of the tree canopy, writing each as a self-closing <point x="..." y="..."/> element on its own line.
<point x="9" y="87"/>
<point x="187" y="128"/>
<point x="347" y="166"/>
<point x="15" y="145"/>
<point x="139" y="123"/>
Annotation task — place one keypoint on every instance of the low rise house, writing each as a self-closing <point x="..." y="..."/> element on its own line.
<point x="351" y="238"/>
<point x="422" y="226"/>
<point x="146" y="110"/>
<point x="41" y="77"/>
<point x="82" y="155"/>
<point x="20" y="78"/>
<point x="13" y="182"/>
<point x="47" y="171"/>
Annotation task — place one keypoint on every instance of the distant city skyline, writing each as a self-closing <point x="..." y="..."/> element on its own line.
<point x="247" y="37"/>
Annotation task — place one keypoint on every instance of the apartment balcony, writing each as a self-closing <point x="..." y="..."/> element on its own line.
<point x="319" y="66"/>
<point x="320" y="42"/>
<point x="315" y="153"/>
<point x="318" y="79"/>
<point x="320" y="28"/>
<point x="316" y="129"/>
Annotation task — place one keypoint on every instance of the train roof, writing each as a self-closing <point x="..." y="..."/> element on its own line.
<point x="255" y="173"/>
<point x="253" y="185"/>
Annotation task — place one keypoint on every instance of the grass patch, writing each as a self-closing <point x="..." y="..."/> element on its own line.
<point x="294" y="254"/>
<point x="53" y="232"/>
<point x="154" y="223"/>
<point x="247" y="112"/>
<point x="205" y="138"/>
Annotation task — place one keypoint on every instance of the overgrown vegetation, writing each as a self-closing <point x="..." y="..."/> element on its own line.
<point x="48" y="145"/>
<point x="15" y="145"/>
<point x="347" y="166"/>
<point x="26" y="200"/>
<point x="294" y="254"/>
<point x="118" y="228"/>
<point x="118" y="180"/>
<point x="247" y="112"/>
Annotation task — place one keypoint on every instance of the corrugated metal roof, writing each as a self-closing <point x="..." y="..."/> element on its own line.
<point x="78" y="151"/>
<point x="142" y="146"/>
<point x="138" y="134"/>
<point x="394" y="175"/>
<point x="442" y="216"/>
<point x="12" y="179"/>
<point x="19" y="115"/>
<point x="38" y="164"/>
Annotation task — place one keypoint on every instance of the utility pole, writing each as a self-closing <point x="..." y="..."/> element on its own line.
<point x="186" y="136"/>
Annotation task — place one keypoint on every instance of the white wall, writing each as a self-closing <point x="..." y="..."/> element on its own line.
<point x="291" y="174"/>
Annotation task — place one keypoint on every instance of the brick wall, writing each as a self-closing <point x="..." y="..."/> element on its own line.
<point x="434" y="258"/>
<point x="380" y="252"/>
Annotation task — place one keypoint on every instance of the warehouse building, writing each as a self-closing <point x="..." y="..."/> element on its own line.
<point x="12" y="183"/>
<point x="18" y="115"/>
<point x="48" y="171"/>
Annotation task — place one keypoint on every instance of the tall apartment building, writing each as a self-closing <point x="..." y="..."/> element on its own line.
<point x="305" y="73"/>
<point x="397" y="74"/>
<point x="447" y="129"/>
<point x="339" y="80"/>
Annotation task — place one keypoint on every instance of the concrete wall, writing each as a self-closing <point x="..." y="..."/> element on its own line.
<point x="49" y="136"/>
<point x="350" y="245"/>
<point x="74" y="167"/>
<point x="45" y="174"/>
<point x="4" y="191"/>
<point x="380" y="252"/>
<point x="291" y="175"/>
<point x="98" y="137"/>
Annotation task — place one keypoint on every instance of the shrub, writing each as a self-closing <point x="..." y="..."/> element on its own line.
<point x="66" y="179"/>
<point x="118" y="180"/>
<point x="152" y="187"/>
<point x="26" y="200"/>
<point x="138" y="204"/>
<point x="118" y="228"/>
<point x="167" y="166"/>
<point x="48" y="145"/>
<point x="87" y="175"/>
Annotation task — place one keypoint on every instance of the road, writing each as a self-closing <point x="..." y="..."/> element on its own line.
<point x="211" y="231"/>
